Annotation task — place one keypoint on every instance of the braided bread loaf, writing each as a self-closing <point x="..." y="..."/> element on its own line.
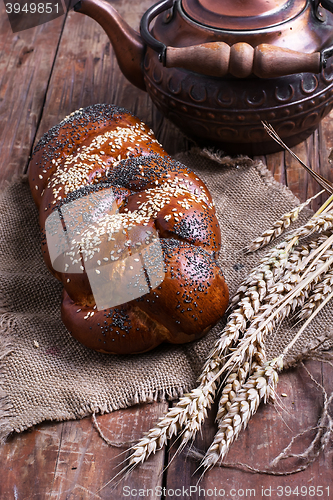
<point x="131" y="233"/>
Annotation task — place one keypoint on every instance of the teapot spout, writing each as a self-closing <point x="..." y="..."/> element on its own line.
<point x="127" y="43"/>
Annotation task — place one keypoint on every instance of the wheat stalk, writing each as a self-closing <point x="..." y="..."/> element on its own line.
<point x="191" y="410"/>
<point x="276" y="292"/>
<point x="279" y="226"/>
<point x="236" y="410"/>
<point x="188" y="413"/>
<point x="324" y="183"/>
<point x="259" y="386"/>
<point x="320" y="291"/>
<point x="264" y="275"/>
<point x="233" y="383"/>
<point x="282" y="282"/>
<point x="272" y="266"/>
<point x="235" y="327"/>
<point x="266" y="320"/>
<point x="290" y="286"/>
<point x="298" y="259"/>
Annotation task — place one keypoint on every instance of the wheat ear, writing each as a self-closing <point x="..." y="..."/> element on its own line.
<point x="276" y="292"/>
<point x="289" y="276"/>
<point x="319" y="293"/>
<point x="232" y="385"/>
<point x="247" y="398"/>
<point x="263" y="276"/>
<point x="279" y="226"/>
<point x="240" y="349"/>
<point x="266" y="320"/>
<point x="317" y="224"/>
<point x="273" y="264"/>
<point x="192" y="408"/>
<point x="259" y="386"/>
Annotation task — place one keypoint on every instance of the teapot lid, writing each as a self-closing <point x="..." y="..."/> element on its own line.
<point x="241" y="14"/>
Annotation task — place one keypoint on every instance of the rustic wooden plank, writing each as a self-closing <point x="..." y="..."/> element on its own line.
<point x="315" y="152"/>
<point x="325" y="148"/>
<point x="27" y="462"/>
<point x="70" y="459"/>
<point x="86" y="464"/>
<point x="26" y="60"/>
<point x="67" y="460"/>
<point x="268" y="432"/>
<point x="276" y="165"/>
<point x="78" y="463"/>
<point x="87" y="72"/>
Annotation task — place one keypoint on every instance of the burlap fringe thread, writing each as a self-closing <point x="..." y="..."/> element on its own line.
<point x="324" y="429"/>
<point x="5" y="405"/>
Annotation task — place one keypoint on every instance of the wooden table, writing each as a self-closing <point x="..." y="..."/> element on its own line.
<point x="45" y="73"/>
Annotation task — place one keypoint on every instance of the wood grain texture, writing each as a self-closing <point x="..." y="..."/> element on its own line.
<point x="268" y="432"/>
<point x="26" y="60"/>
<point x="87" y="72"/>
<point x="70" y="460"/>
<point x="45" y="74"/>
<point x="315" y="152"/>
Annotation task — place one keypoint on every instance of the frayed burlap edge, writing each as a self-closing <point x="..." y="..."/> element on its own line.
<point x="6" y="347"/>
<point x="228" y="161"/>
<point x="139" y="396"/>
<point x="319" y="349"/>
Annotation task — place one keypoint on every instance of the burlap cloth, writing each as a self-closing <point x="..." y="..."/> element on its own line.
<point x="47" y="375"/>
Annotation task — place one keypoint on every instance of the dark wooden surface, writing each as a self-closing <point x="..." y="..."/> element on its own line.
<point x="45" y="73"/>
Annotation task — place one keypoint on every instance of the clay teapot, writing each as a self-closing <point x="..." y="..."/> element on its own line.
<point x="218" y="68"/>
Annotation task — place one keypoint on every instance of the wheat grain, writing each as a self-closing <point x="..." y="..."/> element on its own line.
<point x="319" y="292"/>
<point x="282" y="281"/>
<point x="259" y="386"/>
<point x="279" y="226"/>
<point x="232" y="385"/>
<point x="317" y="224"/>
<point x="264" y="275"/>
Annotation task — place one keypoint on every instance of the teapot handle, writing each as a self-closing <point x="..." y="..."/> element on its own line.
<point x="240" y="60"/>
<point x="327" y="4"/>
